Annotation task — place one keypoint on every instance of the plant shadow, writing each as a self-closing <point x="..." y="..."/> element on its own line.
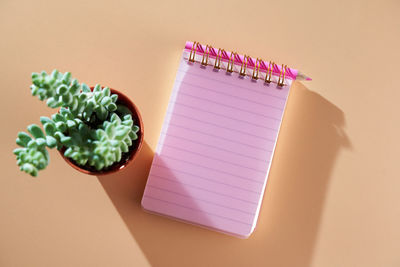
<point x="312" y="134"/>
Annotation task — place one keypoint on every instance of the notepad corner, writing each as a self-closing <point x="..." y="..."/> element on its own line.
<point x="143" y="204"/>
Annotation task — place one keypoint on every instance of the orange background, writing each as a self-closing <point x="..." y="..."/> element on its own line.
<point x="334" y="188"/>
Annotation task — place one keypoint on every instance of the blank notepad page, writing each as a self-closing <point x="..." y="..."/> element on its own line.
<point x="216" y="145"/>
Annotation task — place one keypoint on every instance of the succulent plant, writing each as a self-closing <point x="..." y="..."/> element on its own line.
<point x="90" y="126"/>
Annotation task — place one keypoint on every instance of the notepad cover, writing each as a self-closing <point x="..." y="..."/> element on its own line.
<point x="215" y="149"/>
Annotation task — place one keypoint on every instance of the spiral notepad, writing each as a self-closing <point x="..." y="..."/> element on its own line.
<point x="218" y="138"/>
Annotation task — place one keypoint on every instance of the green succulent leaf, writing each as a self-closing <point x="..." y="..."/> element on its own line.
<point x="111" y="107"/>
<point x="114" y="98"/>
<point x="44" y="120"/>
<point x="74" y="104"/>
<point x="67" y="98"/>
<point x="115" y="118"/>
<point x="41" y="142"/>
<point x="106" y="101"/>
<point x="97" y="96"/>
<point x="133" y="135"/>
<point x="106" y="91"/>
<point x="85" y="88"/>
<point x="23" y="139"/>
<point x="102" y="113"/>
<point x="92" y="127"/>
<point x="75" y="87"/>
<point x="71" y="123"/>
<point x="121" y="109"/>
<point x="58" y="117"/>
<point x="32" y="144"/>
<point x="135" y="128"/>
<point x="33" y="156"/>
<point x="66" y="79"/>
<point x="51" y="141"/>
<point x="51" y="102"/>
<point x="61" y="126"/>
<point x="68" y="152"/>
<point x="35" y="131"/>
<point x="29" y="168"/>
<point x="124" y="147"/>
<point x="122" y="133"/>
<point x="97" y="88"/>
<point x="128" y="123"/>
<point x="66" y="141"/>
<point x="128" y="141"/>
<point x="62" y="89"/>
<point x="49" y="128"/>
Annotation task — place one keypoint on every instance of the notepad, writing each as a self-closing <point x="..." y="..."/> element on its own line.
<point x="217" y="141"/>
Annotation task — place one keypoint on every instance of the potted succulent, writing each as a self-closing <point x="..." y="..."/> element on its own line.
<point x="97" y="130"/>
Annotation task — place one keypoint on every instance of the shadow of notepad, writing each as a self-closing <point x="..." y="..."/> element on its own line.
<point x="312" y="136"/>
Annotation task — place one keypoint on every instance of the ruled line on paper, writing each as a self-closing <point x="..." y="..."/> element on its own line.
<point x="233" y="85"/>
<point x="229" y="106"/>
<point x="193" y="159"/>
<point x="249" y="147"/>
<point x="204" y="189"/>
<point x="242" y="121"/>
<point x="220" y="126"/>
<point x="203" y="200"/>
<point x="233" y="96"/>
<point x="193" y="209"/>
<point x="233" y="107"/>
<point x="208" y="156"/>
<point x="221" y="137"/>
<point x="228" y="129"/>
<point x="207" y="179"/>
<point x="226" y="150"/>
<point x="212" y="169"/>
<point x="245" y="124"/>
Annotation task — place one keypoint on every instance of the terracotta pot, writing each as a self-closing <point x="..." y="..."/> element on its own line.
<point x="133" y="150"/>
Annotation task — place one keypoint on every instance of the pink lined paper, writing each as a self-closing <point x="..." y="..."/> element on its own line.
<point x="215" y="149"/>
